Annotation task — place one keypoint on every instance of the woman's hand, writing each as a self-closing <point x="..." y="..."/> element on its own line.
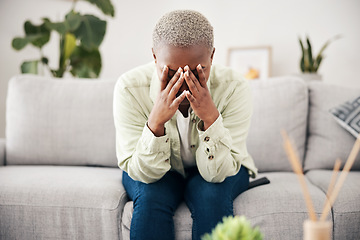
<point x="167" y="103"/>
<point x="200" y="98"/>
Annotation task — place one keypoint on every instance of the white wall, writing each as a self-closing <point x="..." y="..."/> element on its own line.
<point x="237" y="23"/>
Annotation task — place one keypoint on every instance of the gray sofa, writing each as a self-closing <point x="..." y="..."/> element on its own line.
<point x="59" y="177"/>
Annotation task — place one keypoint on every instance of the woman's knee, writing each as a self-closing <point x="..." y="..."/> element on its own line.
<point x="159" y="194"/>
<point x="230" y="188"/>
<point x="209" y="194"/>
<point x="149" y="196"/>
<point x="167" y="189"/>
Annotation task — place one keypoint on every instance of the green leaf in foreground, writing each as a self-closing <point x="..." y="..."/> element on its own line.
<point x="234" y="228"/>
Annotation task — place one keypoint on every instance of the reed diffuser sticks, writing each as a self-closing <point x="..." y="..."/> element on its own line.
<point x="333" y="179"/>
<point x="295" y="163"/>
<point x="332" y="192"/>
<point x="350" y="161"/>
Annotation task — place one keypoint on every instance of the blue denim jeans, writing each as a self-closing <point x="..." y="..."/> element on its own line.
<point x="156" y="203"/>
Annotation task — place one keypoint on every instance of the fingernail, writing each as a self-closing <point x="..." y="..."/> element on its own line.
<point x="199" y="66"/>
<point x="181" y="75"/>
<point x="164" y="68"/>
<point x="180" y="69"/>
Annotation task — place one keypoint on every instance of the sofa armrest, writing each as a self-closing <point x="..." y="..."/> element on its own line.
<point x="2" y="151"/>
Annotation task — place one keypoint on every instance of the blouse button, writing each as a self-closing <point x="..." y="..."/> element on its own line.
<point x="192" y="146"/>
<point x="211" y="157"/>
<point x="167" y="140"/>
<point x="167" y="160"/>
<point x="194" y="120"/>
<point x="206" y="139"/>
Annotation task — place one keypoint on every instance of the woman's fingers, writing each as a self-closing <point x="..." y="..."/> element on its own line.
<point x="179" y="99"/>
<point x="173" y="80"/>
<point x="190" y="97"/>
<point x="164" y="78"/>
<point x="176" y="87"/>
<point x="202" y="78"/>
<point x="192" y="81"/>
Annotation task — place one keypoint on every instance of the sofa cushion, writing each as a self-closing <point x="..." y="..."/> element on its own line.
<point x="60" y="121"/>
<point x="48" y="202"/>
<point x="348" y="115"/>
<point x="279" y="103"/>
<point x="346" y="209"/>
<point x="278" y="208"/>
<point x="327" y="139"/>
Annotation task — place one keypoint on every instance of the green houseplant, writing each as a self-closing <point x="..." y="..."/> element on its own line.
<point x="234" y="228"/>
<point x="309" y="64"/>
<point x="80" y="37"/>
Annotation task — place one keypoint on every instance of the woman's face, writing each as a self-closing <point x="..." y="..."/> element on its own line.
<point x="175" y="57"/>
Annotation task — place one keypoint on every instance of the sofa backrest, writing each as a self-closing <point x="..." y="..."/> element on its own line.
<point x="70" y="122"/>
<point x="279" y="103"/>
<point x="327" y="140"/>
<point x="60" y="122"/>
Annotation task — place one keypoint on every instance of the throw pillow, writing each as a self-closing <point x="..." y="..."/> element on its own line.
<point x="348" y="115"/>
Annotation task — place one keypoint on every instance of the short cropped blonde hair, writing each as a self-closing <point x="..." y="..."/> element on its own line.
<point x="183" y="28"/>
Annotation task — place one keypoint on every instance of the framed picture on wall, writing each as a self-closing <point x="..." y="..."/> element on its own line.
<point x="251" y="62"/>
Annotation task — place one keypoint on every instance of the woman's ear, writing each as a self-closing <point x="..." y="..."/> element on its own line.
<point x="212" y="54"/>
<point x="154" y="55"/>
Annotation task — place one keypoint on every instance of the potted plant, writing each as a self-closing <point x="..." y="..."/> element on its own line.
<point x="80" y="38"/>
<point x="234" y="228"/>
<point x="308" y="64"/>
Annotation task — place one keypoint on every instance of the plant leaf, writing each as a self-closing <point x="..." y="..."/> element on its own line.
<point x="306" y="61"/>
<point x="19" y="42"/>
<point x="70" y="44"/>
<point x="30" y="67"/>
<point x="85" y="63"/>
<point x="73" y="20"/>
<point x="310" y="58"/>
<point x="319" y="57"/>
<point x="41" y="31"/>
<point x="91" y="32"/>
<point x="328" y="42"/>
<point x="104" y="5"/>
<point x="234" y="228"/>
<point x="317" y="62"/>
<point x="302" y="64"/>
<point x="71" y="23"/>
<point x="59" y="27"/>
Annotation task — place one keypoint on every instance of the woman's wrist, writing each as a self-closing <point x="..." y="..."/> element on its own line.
<point x="157" y="129"/>
<point x="210" y="121"/>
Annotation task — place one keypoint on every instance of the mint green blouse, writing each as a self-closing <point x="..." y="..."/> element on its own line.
<point x="219" y="151"/>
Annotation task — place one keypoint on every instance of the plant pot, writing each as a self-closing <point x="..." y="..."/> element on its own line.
<point x="310" y="76"/>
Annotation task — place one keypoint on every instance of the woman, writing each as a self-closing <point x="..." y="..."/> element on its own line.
<point x="181" y="127"/>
